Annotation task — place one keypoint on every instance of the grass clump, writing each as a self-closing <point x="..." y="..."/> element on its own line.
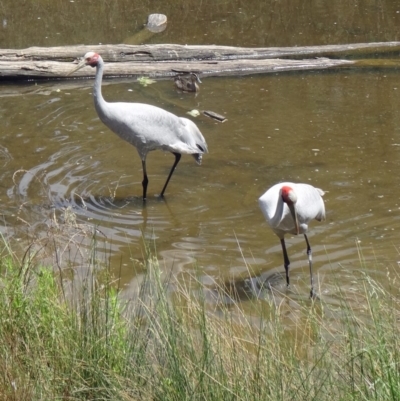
<point x="53" y="347"/>
<point x="61" y="342"/>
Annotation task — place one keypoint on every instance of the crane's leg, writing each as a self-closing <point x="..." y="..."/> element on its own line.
<point x="177" y="158"/>
<point x="145" y="179"/>
<point x="286" y="260"/>
<point x="309" y="253"/>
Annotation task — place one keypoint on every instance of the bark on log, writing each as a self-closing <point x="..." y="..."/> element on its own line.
<point x="157" y="61"/>
<point x="172" y="52"/>
<point x="54" y="69"/>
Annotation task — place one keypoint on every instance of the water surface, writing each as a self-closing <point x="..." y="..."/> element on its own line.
<point x="66" y="176"/>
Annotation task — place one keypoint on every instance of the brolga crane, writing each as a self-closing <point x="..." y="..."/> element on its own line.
<point x="288" y="208"/>
<point x="145" y="126"/>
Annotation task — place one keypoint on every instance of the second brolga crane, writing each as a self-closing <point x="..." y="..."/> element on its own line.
<point x="145" y="126"/>
<point x="288" y="208"/>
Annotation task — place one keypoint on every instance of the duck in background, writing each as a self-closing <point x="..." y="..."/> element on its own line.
<point x="187" y="82"/>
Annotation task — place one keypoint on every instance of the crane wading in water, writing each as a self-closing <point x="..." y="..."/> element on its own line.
<point x="288" y="208"/>
<point x="145" y="126"/>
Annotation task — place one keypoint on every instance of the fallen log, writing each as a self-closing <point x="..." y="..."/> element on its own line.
<point x="55" y="69"/>
<point x="173" y="52"/>
<point x="158" y="61"/>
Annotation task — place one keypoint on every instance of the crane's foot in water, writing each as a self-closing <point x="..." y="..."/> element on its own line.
<point x="313" y="295"/>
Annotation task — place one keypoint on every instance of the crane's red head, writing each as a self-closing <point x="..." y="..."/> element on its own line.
<point x="290" y="198"/>
<point x="90" y="58"/>
<point x="288" y="195"/>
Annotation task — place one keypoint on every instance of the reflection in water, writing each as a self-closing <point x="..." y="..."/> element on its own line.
<point x="309" y="136"/>
<point x="234" y="23"/>
<point x="67" y="183"/>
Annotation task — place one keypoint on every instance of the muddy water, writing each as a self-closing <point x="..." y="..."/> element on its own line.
<point x="65" y="175"/>
<point x="235" y="22"/>
<point x="337" y="131"/>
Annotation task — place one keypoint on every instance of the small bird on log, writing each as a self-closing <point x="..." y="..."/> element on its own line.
<point x="288" y="208"/>
<point x="145" y="126"/>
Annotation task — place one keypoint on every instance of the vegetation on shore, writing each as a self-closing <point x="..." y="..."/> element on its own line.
<point x="60" y="342"/>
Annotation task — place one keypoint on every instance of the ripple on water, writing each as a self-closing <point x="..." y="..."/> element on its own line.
<point x="85" y="182"/>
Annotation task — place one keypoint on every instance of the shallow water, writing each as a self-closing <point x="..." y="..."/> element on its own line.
<point x="65" y="175"/>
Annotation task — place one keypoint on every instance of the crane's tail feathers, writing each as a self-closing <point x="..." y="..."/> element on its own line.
<point x="321" y="216"/>
<point x="198" y="157"/>
<point x="196" y="152"/>
<point x="202" y="147"/>
<point x="320" y="191"/>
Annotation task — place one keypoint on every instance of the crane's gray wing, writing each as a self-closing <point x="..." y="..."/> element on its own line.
<point x="148" y="128"/>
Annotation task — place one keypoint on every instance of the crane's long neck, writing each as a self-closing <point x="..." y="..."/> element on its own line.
<point x="99" y="102"/>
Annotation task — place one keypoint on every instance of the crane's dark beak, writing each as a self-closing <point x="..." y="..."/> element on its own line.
<point x="293" y="212"/>
<point x="81" y="64"/>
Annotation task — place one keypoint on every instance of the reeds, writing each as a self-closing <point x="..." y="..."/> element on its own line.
<point x="89" y="343"/>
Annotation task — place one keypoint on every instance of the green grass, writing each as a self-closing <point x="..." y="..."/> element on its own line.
<point x="77" y="343"/>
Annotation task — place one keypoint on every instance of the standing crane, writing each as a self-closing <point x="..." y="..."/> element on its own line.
<point x="288" y="208"/>
<point x="145" y="126"/>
